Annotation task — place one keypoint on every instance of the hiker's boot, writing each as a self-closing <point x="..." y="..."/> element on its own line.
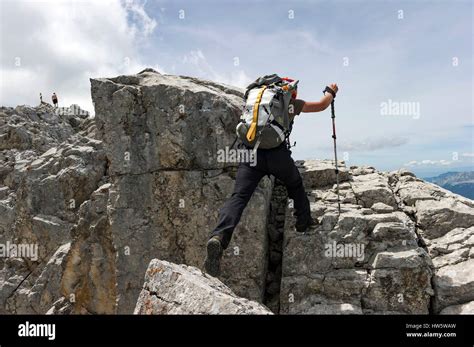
<point x="212" y="263"/>
<point x="306" y="225"/>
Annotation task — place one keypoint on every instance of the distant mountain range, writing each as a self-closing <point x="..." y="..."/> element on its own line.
<point x="461" y="183"/>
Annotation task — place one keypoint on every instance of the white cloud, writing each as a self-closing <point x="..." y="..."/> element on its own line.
<point x="368" y="144"/>
<point x="137" y="10"/>
<point x="428" y="162"/>
<point x="203" y="69"/>
<point x="240" y="79"/>
<point x="373" y="144"/>
<point x="244" y="38"/>
<point x="194" y="57"/>
<point x="60" y="45"/>
<point x="441" y="162"/>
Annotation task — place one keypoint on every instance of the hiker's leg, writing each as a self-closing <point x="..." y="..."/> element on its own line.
<point x="229" y="216"/>
<point x="283" y="167"/>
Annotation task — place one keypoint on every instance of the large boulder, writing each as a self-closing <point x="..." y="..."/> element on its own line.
<point x="162" y="134"/>
<point x="151" y="122"/>
<point x="181" y="289"/>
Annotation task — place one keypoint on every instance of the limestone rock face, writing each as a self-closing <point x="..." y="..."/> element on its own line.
<point x="140" y="180"/>
<point x="48" y="168"/>
<point x="151" y="122"/>
<point x="445" y="224"/>
<point x="400" y="245"/>
<point x="95" y="200"/>
<point x="181" y="289"/>
<point x="90" y="276"/>
<point x="161" y="135"/>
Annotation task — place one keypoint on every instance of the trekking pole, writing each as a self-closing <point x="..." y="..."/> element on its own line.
<point x="333" y="116"/>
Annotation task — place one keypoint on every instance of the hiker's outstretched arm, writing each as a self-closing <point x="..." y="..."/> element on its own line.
<point x="317" y="106"/>
<point x="321" y="105"/>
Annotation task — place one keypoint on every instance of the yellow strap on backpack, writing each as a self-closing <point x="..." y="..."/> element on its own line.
<point x="253" y="126"/>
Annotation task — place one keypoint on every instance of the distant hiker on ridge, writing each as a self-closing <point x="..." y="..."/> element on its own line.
<point x="55" y="100"/>
<point x="41" y="98"/>
<point x="270" y="108"/>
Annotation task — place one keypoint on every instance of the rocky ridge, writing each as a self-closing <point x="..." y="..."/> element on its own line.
<point x="102" y="197"/>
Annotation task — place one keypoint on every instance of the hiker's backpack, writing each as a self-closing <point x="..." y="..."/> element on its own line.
<point x="265" y="121"/>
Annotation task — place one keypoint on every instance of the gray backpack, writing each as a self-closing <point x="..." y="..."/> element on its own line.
<point x="265" y="121"/>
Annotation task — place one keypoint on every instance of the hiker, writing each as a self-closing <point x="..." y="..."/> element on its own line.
<point x="279" y="95"/>
<point x="41" y="98"/>
<point x="55" y="100"/>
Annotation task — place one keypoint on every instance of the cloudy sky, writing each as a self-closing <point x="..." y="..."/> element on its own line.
<point x="404" y="67"/>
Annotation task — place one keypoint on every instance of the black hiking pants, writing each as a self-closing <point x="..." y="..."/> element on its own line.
<point x="276" y="162"/>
